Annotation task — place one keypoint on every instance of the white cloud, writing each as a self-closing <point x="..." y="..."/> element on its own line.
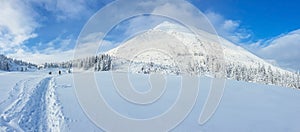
<point x="65" y="9"/>
<point x="141" y="23"/>
<point x="19" y="20"/>
<point x="283" y="49"/>
<point x="17" y="24"/>
<point x="91" y="45"/>
<point x="177" y="11"/>
<point x="52" y="53"/>
<point x="41" y="58"/>
<point x="230" y="25"/>
<point x="229" y="29"/>
<point x="57" y="50"/>
<point x="208" y="21"/>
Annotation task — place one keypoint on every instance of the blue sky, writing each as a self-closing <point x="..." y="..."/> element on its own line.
<point x="264" y="18"/>
<point x="46" y="30"/>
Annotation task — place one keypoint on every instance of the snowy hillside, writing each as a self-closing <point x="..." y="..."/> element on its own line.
<point x="174" y="46"/>
<point x="8" y="64"/>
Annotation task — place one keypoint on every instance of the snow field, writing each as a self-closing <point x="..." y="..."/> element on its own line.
<point x="48" y="103"/>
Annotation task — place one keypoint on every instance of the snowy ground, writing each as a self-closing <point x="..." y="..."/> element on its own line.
<point x="41" y="102"/>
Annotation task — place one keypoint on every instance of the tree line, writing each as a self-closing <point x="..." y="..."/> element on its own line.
<point x="257" y="73"/>
<point x="9" y="64"/>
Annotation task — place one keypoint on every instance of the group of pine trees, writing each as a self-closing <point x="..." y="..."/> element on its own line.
<point x="258" y="73"/>
<point x="96" y="63"/>
<point x="263" y="74"/>
<point x="9" y="64"/>
<point x="150" y="67"/>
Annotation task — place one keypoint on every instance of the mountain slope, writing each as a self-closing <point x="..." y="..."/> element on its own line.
<point x="199" y="45"/>
<point x="195" y="52"/>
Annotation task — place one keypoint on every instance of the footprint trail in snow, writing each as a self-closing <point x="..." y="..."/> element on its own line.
<point x="32" y="105"/>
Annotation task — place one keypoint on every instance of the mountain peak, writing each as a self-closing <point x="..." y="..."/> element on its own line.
<point x="170" y="26"/>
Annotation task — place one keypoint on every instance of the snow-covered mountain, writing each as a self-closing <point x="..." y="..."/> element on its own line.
<point x="9" y="64"/>
<point x="172" y="46"/>
<point x="200" y="46"/>
<point x="173" y="49"/>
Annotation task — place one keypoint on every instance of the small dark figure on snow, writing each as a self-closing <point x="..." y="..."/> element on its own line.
<point x="50" y="73"/>
<point x="59" y="72"/>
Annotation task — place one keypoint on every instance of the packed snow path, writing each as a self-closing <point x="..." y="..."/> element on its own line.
<point x="32" y="105"/>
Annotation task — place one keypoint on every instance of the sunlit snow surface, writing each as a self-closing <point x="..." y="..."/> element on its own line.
<point x="38" y="101"/>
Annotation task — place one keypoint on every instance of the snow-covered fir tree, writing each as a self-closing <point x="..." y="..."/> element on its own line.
<point x="9" y="64"/>
<point x="96" y="63"/>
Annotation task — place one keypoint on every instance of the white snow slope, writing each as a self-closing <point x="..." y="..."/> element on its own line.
<point x="40" y="102"/>
<point x="168" y="42"/>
